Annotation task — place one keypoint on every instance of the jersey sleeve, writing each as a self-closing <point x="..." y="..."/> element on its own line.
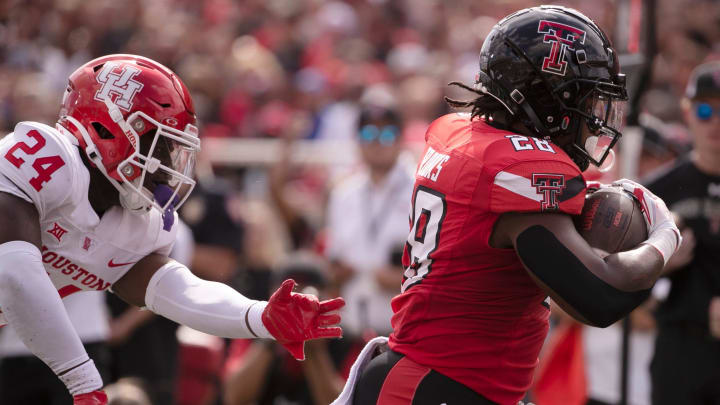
<point x="38" y="165"/>
<point x="538" y="186"/>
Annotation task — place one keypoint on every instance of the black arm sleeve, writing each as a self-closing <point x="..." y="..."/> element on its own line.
<point x="557" y="267"/>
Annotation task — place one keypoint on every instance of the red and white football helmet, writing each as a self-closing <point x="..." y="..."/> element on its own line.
<point x="135" y="121"/>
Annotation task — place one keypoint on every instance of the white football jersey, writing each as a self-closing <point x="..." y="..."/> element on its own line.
<point x="80" y="251"/>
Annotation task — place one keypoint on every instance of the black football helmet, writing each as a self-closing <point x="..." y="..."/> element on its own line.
<point x="555" y="70"/>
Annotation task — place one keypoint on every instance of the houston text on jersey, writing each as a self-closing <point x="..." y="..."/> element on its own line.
<point x="72" y="270"/>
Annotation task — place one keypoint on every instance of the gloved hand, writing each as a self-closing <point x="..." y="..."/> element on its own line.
<point x="663" y="234"/>
<point x="91" y="398"/>
<point x="293" y="318"/>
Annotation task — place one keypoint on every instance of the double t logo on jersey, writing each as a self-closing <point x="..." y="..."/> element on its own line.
<point x="550" y="186"/>
<point x="119" y="83"/>
<point x="562" y="37"/>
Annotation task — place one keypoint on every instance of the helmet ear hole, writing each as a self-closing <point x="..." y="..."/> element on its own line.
<point x="102" y="132"/>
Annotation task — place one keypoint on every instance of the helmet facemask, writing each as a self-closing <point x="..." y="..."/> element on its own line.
<point x="158" y="173"/>
<point x="599" y="122"/>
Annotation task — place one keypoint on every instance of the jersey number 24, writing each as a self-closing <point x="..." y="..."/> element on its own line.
<point x="45" y="166"/>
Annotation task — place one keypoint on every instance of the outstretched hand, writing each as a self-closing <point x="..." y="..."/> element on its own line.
<point x="292" y="318"/>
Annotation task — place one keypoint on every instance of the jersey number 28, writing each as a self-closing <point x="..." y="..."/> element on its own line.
<point x="45" y="166"/>
<point x="428" y="212"/>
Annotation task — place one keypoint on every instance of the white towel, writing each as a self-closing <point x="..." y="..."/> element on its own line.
<point x="346" y="396"/>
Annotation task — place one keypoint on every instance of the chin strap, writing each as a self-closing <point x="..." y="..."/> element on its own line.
<point x="162" y="194"/>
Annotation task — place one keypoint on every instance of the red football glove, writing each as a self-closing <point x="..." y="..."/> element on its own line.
<point x="293" y="318"/>
<point x="91" y="398"/>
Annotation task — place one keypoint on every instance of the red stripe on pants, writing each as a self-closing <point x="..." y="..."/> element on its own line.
<point x="401" y="382"/>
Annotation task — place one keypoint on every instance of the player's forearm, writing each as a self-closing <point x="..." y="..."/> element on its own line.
<point x="633" y="270"/>
<point x="210" y="307"/>
<point x="582" y="285"/>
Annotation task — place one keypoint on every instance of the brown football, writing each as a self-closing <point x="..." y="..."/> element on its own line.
<point x="611" y="220"/>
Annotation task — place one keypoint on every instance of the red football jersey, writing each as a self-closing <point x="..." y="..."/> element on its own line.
<point x="468" y="310"/>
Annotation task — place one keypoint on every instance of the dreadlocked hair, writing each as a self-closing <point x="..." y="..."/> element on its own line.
<point x="482" y="105"/>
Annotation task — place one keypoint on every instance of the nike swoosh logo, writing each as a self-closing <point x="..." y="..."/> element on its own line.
<point x="111" y="264"/>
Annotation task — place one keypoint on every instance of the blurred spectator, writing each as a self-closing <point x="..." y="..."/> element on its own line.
<point x="602" y="347"/>
<point x="200" y="364"/>
<point x="211" y="213"/>
<point x="25" y="379"/>
<point x="367" y="223"/>
<point x="127" y="391"/>
<point x="584" y="361"/>
<point x="250" y="64"/>
<point x="217" y="233"/>
<point x="298" y="192"/>
<point x="261" y="372"/>
<point x="684" y="368"/>
<point x="144" y="345"/>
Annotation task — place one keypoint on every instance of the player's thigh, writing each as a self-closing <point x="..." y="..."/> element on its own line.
<point x="435" y="388"/>
<point x="391" y="378"/>
<point x="373" y="377"/>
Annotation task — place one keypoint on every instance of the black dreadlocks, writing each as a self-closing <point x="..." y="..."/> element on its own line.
<point x="484" y="106"/>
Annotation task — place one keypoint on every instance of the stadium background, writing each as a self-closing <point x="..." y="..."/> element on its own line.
<point x="274" y="80"/>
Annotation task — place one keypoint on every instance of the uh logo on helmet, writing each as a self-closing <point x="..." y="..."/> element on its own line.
<point x="135" y="121"/>
<point x="120" y="84"/>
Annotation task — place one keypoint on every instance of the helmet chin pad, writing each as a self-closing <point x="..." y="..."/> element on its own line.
<point x="591" y="144"/>
<point x="591" y="148"/>
<point x="133" y="201"/>
<point x="163" y="195"/>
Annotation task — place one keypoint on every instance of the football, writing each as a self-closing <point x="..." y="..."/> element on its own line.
<point x="611" y="220"/>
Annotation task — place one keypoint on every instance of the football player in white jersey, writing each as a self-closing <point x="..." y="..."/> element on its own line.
<point x="90" y="205"/>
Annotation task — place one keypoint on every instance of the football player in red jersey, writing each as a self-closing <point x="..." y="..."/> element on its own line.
<point x="90" y="204"/>
<point x="491" y="229"/>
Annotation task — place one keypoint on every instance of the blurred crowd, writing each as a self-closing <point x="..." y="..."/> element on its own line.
<point x="305" y="69"/>
<point x="257" y="67"/>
